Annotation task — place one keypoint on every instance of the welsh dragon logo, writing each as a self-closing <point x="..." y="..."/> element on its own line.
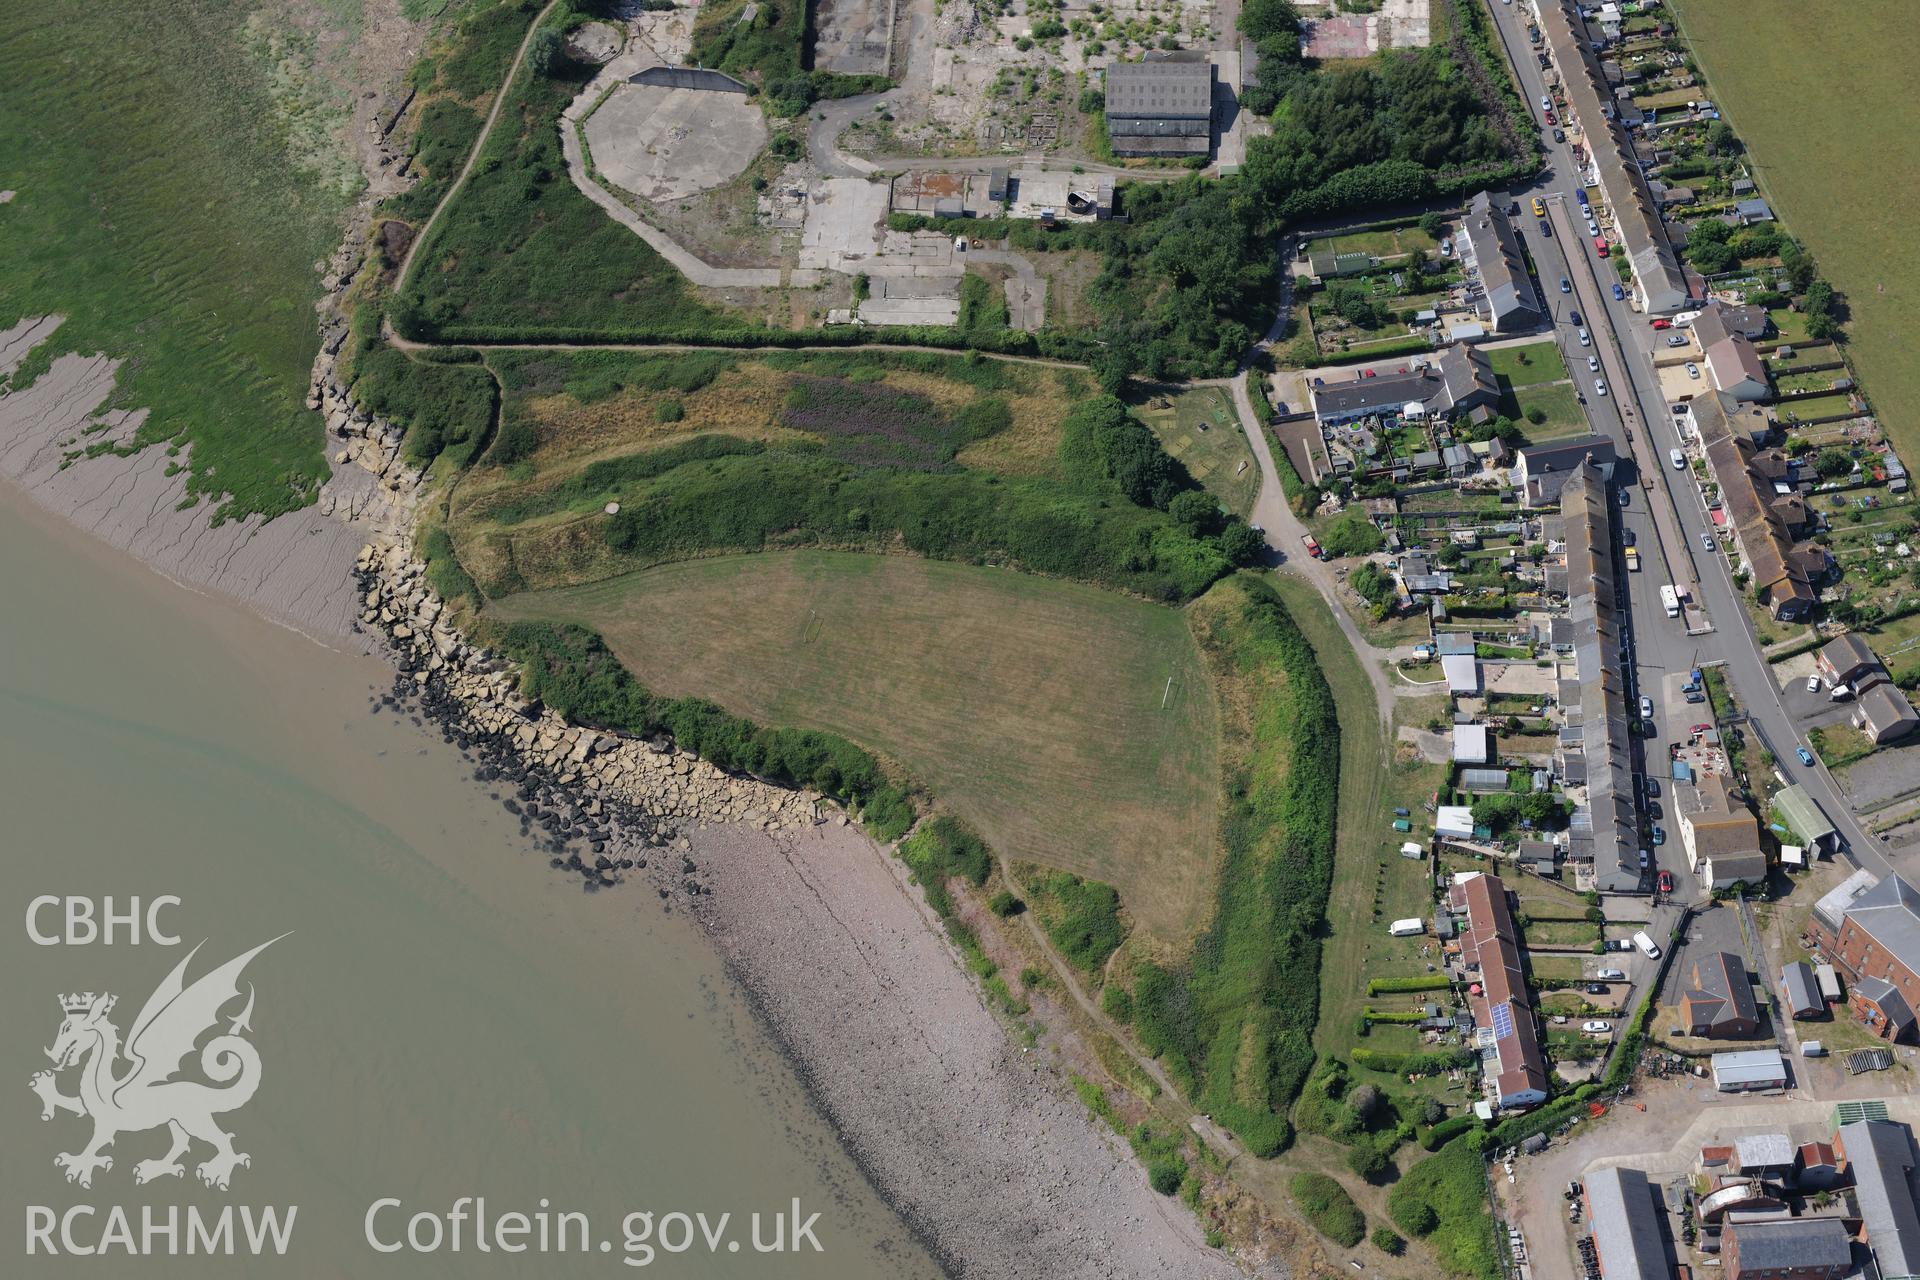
<point x="147" y="1094"/>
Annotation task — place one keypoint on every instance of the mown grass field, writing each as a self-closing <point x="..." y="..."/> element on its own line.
<point x="1030" y="707"/>
<point x="1835" y="165"/>
<point x="161" y="208"/>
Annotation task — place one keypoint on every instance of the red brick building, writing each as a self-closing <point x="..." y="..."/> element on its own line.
<point x="1871" y="932"/>
<point x="1787" y="1249"/>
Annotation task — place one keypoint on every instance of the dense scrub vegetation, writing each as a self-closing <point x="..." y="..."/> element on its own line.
<point x="522" y="251"/>
<point x="445" y="403"/>
<point x="1443" y="1200"/>
<point x="1106" y="523"/>
<point x="1082" y="917"/>
<point x="456" y="80"/>
<point x="770" y="42"/>
<point x="1235" y="1025"/>
<point x="571" y="670"/>
<point x="1328" y="1208"/>
<point x="942" y="850"/>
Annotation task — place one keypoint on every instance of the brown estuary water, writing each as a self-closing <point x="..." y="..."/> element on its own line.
<point x="445" y="1017"/>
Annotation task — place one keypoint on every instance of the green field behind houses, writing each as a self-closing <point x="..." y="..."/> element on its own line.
<point x="165" y="207"/>
<point x="1837" y="166"/>
<point x="1071" y="726"/>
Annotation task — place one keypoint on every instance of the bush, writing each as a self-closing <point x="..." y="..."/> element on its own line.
<point x="942" y="850"/>
<point x="1352" y="534"/>
<point x="1117" y="1001"/>
<point x="1394" y="986"/>
<point x="669" y="411"/>
<point x="1328" y="1208"/>
<point x="1082" y="917"/>
<point x="1387" y="1241"/>
<point x="1444" y="1199"/>
<point x="1004" y="904"/>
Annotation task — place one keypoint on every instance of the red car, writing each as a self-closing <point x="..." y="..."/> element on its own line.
<point x="1551" y="118"/>
<point x="1700" y="728"/>
<point x="1666" y="882"/>
<point x="1663" y="324"/>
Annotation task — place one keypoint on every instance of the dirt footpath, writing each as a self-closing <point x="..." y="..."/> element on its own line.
<point x="986" y="1153"/>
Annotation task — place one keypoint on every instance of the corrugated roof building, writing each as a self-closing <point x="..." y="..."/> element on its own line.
<point x="1625" y="1223"/>
<point x="1162" y="106"/>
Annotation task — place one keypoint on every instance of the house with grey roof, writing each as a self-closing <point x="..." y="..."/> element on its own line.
<point x="1884" y="714"/>
<point x="1543" y="469"/>
<point x="1607" y="820"/>
<point x="1881" y="1159"/>
<point x="1625" y="1221"/>
<point x="1800" y="991"/>
<point x="1457" y="380"/>
<point x="1871" y="931"/>
<point x="1498" y="285"/>
<point x="1161" y="106"/>
<point x="1801" y="1248"/>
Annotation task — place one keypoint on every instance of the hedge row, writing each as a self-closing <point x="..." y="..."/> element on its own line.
<point x="1413" y="1063"/>
<point x="1389" y="986"/>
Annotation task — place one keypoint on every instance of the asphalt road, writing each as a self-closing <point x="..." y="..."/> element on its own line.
<point x="1623" y="341"/>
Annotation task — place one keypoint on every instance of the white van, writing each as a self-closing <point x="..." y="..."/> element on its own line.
<point x="1678" y="459"/>
<point x="1647" y="946"/>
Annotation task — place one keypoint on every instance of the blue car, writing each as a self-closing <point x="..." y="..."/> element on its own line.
<point x="1659" y="836"/>
<point x="1806" y="756"/>
<point x="1619" y="294"/>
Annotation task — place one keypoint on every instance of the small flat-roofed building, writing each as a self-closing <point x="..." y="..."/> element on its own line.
<point x="1161" y="106"/>
<point x="1625" y="1221"/>
<point x="1462" y="672"/>
<point x="1470" y="744"/>
<point x="1763" y="1155"/>
<point x="1749" y="1071"/>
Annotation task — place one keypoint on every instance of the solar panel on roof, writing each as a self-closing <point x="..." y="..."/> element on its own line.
<point x="1502" y="1022"/>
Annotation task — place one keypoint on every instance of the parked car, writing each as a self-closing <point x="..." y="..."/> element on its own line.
<point x="1707" y="544"/>
<point x="1595" y="1026"/>
<point x="1539" y="205"/>
<point x="1580" y="194"/>
<point x="1586" y="340"/>
<point x="1600" y="388"/>
<point x="1513" y="209"/>
<point x="1573" y="317"/>
<point x="1663" y="324"/>
<point x="1693" y="370"/>
<point x="1678" y="459"/>
<point x="1546" y="229"/>
<point x="1614" y="975"/>
<point x="1676" y="339"/>
<point x="1659" y="835"/>
<point x="1700" y="728"/>
<point x="1627" y="536"/>
<point x="1813" y="684"/>
<point x="1646" y="707"/>
<point x="1840" y="693"/>
<point x="1601" y="247"/>
<point x="1619" y="294"/>
<point x="1593" y="364"/>
<point x="1596" y="988"/>
<point x="1566" y="285"/>
<point x="1696" y="696"/>
<point x="1806" y="756"/>
<point x="1559" y="135"/>
<point x="1653" y="786"/>
<point x="1617" y="944"/>
<point x="1626" y="497"/>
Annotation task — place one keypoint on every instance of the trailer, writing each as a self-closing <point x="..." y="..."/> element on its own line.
<point x="1411" y="927"/>
<point x="1669" y="600"/>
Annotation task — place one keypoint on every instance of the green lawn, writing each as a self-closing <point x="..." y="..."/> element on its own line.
<point x="1031" y="707"/>
<point x="1389" y="242"/>
<point x="1523" y="366"/>
<point x="1560" y="403"/>
<point x="1200" y="428"/>
<point x="1847" y="203"/>
<point x="167" y="212"/>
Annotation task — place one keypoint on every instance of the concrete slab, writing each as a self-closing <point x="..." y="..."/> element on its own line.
<point x="851" y="37"/>
<point x="844" y="221"/>
<point x="668" y="144"/>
